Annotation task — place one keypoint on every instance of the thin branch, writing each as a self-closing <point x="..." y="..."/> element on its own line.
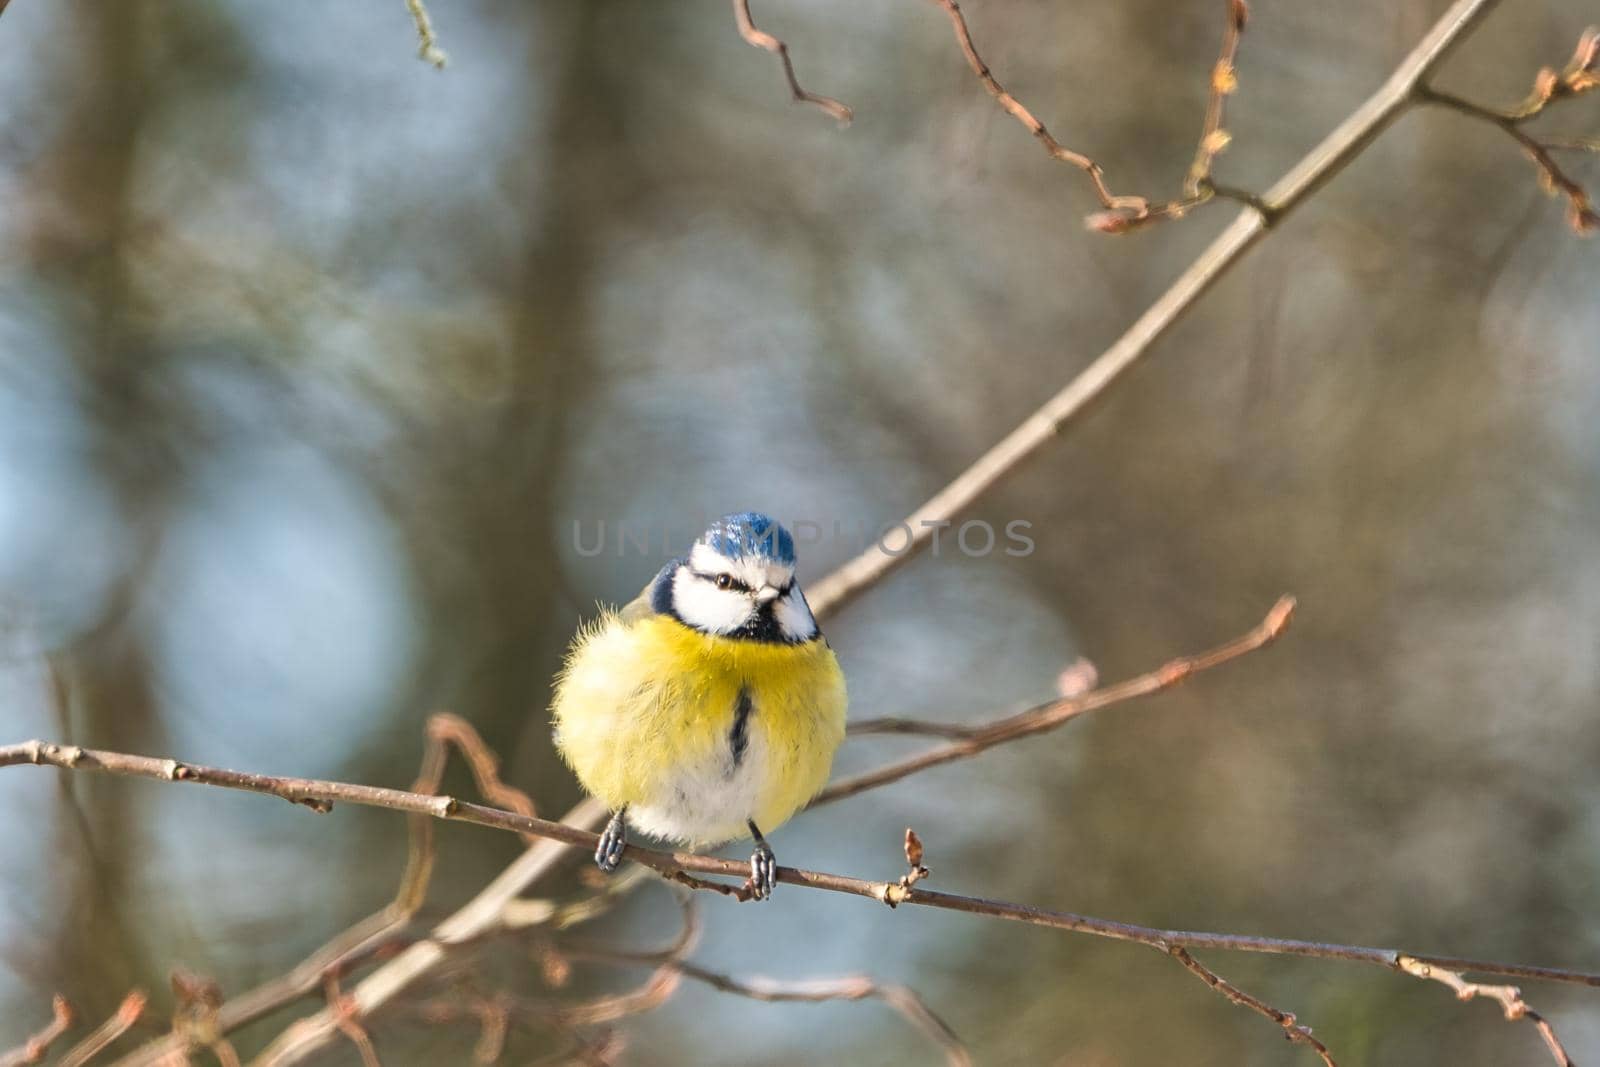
<point x="1509" y="996"/>
<point x="1307" y="176"/>
<point x="1581" y="215"/>
<point x="428" y="49"/>
<point x="1581" y="74"/>
<point x="1123" y="213"/>
<point x="127" y="1013"/>
<point x="482" y="913"/>
<point x="1214" y="135"/>
<point x="903" y="999"/>
<point x="196" y="1018"/>
<point x="761" y="39"/>
<point x="1291" y="1027"/>
<point x="347" y="1020"/>
<point x="34" y="1049"/>
<point x="487" y="905"/>
<point x="366" y="938"/>
<point x="972" y="740"/>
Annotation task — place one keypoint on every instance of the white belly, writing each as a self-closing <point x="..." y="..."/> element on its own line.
<point x="708" y="802"/>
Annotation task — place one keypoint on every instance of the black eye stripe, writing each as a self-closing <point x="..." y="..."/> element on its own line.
<point x="722" y="581"/>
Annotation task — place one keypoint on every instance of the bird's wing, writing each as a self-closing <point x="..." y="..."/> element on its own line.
<point x="639" y="607"/>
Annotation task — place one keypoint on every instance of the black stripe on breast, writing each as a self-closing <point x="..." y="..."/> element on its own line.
<point x="739" y="736"/>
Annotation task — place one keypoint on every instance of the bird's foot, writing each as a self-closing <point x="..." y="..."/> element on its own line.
<point x="763" y="868"/>
<point x="612" y="841"/>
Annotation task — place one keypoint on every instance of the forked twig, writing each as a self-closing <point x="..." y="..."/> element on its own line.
<point x="1509" y="996"/>
<point x="1123" y="213"/>
<point x="1581" y="75"/>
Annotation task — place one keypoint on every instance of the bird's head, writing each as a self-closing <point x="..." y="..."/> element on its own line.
<point x="738" y="581"/>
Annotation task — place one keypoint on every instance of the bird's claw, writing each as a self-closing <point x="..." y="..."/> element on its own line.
<point x="763" y="871"/>
<point x="608" y="853"/>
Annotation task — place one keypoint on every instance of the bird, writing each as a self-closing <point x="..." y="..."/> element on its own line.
<point x="710" y="707"/>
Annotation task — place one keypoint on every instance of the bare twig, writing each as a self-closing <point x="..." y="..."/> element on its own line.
<point x="428" y="49"/>
<point x="34" y="1049"/>
<point x="481" y="914"/>
<point x="897" y="893"/>
<point x="444" y="729"/>
<point x="1123" y="213"/>
<point x="971" y="740"/>
<point x="347" y="1020"/>
<point x="1581" y="74"/>
<point x="196" y="1018"/>
<point x="1291" y="1028"/>
<point x="904" y="1000"/>
<point x="1253" y="222"/>
<point x="762" y="39"/>
<point x="901" y="998"/>
<point x="1581" y="215"/>
<point x="1214" y="135"/>
<point x="1509" y="996"/>
<point x="486" y="907"/>
<point x="360" y="942"/>
<point x="126" y="1015"/>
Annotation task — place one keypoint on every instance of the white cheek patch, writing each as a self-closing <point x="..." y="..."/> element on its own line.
<point x="794" y="616"/>
<point x="705" y="607"/>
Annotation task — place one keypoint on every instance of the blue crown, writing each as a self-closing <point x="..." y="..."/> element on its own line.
<point x="749" y="533"/>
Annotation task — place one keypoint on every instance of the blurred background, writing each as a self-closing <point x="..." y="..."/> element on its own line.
<point x="314" y="360"/>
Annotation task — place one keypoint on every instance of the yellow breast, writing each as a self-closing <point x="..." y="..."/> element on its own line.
<point x="645" y="714"/>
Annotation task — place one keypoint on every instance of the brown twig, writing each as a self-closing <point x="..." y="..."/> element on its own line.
<point x="971" y="740"/>
<point x="1123" y="213"/>
<point x="372" y="934"/>
<point x="347" y="1018"/>
<point x="1581" y="215"/>
<point x="127" y="1013"/>
<point x="462" y="926"/>
<point x="1509" y="996"/>
<point x="762" y="39"/>
<point x="902" y="999"/>
<point x="1214" y="136"/>
<point x="481" y="914"/>
<point x="1291" y="1028"/>
<point x="196" y="1018"/>
<point x="34" y="1049"/>
<point x="1581" y="74"/>
<point x="445" y="729"/>
<point x="897" y="893"/>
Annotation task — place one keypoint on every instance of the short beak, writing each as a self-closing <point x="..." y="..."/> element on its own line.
<point x="767" y="594"/>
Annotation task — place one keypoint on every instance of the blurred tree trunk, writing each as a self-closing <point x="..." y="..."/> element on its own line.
<point x="80" y="251"/>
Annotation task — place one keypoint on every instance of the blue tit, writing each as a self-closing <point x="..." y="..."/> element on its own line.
<point x="710" y="707"/>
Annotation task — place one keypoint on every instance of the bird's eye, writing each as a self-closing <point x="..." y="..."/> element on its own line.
<point x="724" y="581"/>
